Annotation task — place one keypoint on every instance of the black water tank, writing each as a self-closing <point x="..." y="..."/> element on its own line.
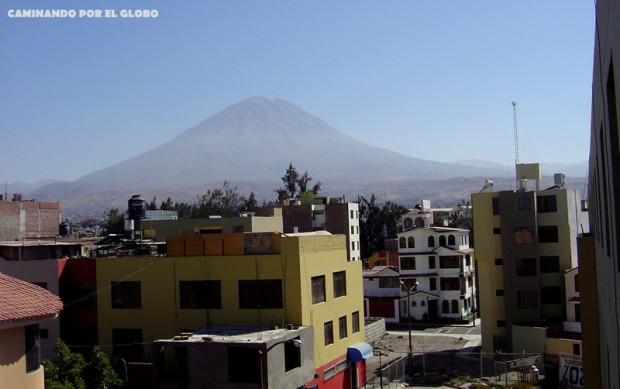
<point x="136" y="208"/>
<point x="64" y="229"/>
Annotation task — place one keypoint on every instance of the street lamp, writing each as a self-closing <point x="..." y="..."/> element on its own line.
<point x="295" y="342"/>
<point x="410" y="356"/>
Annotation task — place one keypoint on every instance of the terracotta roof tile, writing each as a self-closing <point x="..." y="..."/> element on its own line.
<point x="21" y="301"/>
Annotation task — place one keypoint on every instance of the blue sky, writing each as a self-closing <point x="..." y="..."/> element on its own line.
<point x="430" y="79"/>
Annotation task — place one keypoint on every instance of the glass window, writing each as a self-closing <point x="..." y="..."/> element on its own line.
<point x="551" y="295"/>
<point x="328" y="332"/>
<point x="355" y="322"/>
<point x="33" y="354"/>
<point x="525" y="204"/>
<point x="200" y="294"/>
<point x="402" y="242"/>
<point x="547" y="234"/>
<point x="526" y="267"/>
<point x="442" y="240"/>
<point x="451" y="240"/>
<point x="499" y="292"/>
<point x="433" y="283"/>
<point x="527" y="299"/>
<point x="431" y="262"/>
<point x="431" y="241"/>
<point x="546" y="204"/>
<point x="449" y="261"/>
<point x="495" y="204"/>
<point x="411" y="242"/>
<point x="524" y="235"/>
<point x="407" y="263"/>
<point x="342" y="327"/>
<point x="260" y="294"/>
<point x="318" y="289"/>
<point x="499" y="261"/>
<point x="455" y="306"/>
<point x="445" y="306"/>
<point x="340" y="284"/>
<point x="550" y="264"/>
<point x="126" y="294"/>
<point x="451" y="283"/>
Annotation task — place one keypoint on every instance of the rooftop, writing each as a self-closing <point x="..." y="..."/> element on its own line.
<point x="234" y="334"/>
<point x="23" y="301"/>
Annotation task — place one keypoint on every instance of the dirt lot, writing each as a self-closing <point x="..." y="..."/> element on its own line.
<point x="391" y="347"/>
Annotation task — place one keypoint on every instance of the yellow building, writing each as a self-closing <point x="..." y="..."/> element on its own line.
<point x="525" y="241"/>
<point x="252" y="279"/>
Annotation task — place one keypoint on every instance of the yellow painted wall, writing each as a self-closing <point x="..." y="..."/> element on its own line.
<point x="301" y="258"/>
<point x="13" y="362"/>
<point x="561" y="346"/>
<point x="490" y="278"/>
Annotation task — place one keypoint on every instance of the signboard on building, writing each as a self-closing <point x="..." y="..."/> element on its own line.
<point x="571" y="371"/>
<point x="524" y="362"/>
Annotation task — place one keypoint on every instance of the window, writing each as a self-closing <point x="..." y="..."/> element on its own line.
<point x="431" y="262"/>
<point x="413" y="304"/>
<point x="497" y="231"/>
<point x="451" y="240"/>
<point x="352" y="230"/>
<point x="318" y="289"/>
<point x="407" y="263"/>
<point x="44" y="333"/>
<point x="432" y="283"/>
<point x="524" y="235"/>
<point x="402" y="242"/>
<point x="550" y="264"/>
<point x="408" y="223"/>
<point x="353" y="245"/>
<point x="453" y="283"/>
<point x="342" y="327"/>
<point x="449" y="261"/>
<point x="355" y="322"/>
<point x="431" y="241"/>
<point x="527" y="299"/>
<point x="445" y="306"/>
<point x="455" y="306"/>
<point x="525" y="204"/>
<point x="239" y="358"/>
<point x="388" y="282"/>
<point x="126" y="294"/>
<point x="33" y="354"/>
<point x="340" y="284"/>
<point x="501" y="323"/>
<point x="546" y="204"/>
<point x="292" y="355"/>
<point x="442" y="240"/>
<point x="83" y="293"/>
<point x="551" y="295"/>
<point x="127" y="343"/>
<point x="200" y="294"/>
<point x="422" y="303"/>
<point x="499" y="292"/>
<point x="237" y="229"/>
<point x="526" y="267"/>
<point x="576" y="349"/>
<point x="495" y="204"/>
<point x="547" y="234"/>
<point x="260" y="294"/>
<point x="328" y="333"/>
<point x="499" y="261"/>
<point x="467" y="260"/>
<point x="411" y="242"/>
<point x="352" y="214"/>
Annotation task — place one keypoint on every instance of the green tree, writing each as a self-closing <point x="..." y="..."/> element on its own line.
<point x="378" y="222"/>
<point x="113" y="222"/>
<point x="225" y="202"/>
<point x="296" y="185"/>
<point x="69" y="370"/>
<point x="251" y="202"/>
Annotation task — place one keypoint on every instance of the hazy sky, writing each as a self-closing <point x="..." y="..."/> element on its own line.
<point x="430" y="79"/>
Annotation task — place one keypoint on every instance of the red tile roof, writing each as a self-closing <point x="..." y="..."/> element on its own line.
<point x="22" y="301"/>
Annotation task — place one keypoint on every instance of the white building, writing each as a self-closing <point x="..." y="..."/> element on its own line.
<point x="440" y="261"/>
<point x="382" y="293"/>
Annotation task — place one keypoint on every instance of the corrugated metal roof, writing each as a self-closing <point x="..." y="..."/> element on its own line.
<point x="23" y="301"/>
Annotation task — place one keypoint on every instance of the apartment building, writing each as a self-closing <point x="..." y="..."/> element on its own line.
<point x="240" y="279"/>
<point x="604" y="188"/>
<point x="525" y="241"/>
<point x="321" y="213"/>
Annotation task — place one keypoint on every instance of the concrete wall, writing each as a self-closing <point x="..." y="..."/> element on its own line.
<point x="530" y="340"/>
<point x="374" y="328"/>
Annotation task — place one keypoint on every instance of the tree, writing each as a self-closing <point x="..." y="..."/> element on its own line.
<point x="226" y="202"/>
<point x="113" y="223"/>
<point x="296" y="185"/>
<point x="69" y="370"/>
<point x="251" y="202"/>
<point x="378" y="222"/>
<point x="152" y="206"/>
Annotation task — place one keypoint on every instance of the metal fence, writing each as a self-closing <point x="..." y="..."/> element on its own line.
<point x="440" y="367"/>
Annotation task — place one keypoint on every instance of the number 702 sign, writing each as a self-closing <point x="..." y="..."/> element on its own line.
<point x="571" y="371"/>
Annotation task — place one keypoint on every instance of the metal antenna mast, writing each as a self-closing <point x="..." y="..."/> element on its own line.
<point x="514" y="119"/>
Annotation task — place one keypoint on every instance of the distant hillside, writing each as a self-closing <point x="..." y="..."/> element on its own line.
<point x="250" y="144"/>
